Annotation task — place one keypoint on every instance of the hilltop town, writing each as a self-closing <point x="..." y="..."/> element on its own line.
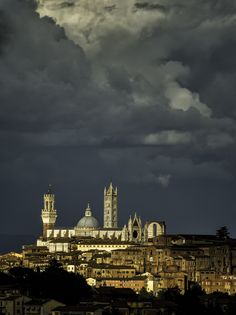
<point x="140" y="257"/>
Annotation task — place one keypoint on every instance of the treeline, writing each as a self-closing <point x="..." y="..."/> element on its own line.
<point x="53" y="283"/>
<point x="195" y="301"/>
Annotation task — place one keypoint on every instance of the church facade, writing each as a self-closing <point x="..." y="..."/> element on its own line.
<point x="88" y="225"/>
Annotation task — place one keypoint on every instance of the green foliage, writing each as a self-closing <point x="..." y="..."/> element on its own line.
<point x="54" y="265"/>
<point x="223" y="233"/>
<point x="170" y="294"/>
<point x="195" y="290"/>
<point x="5" y="279"/>
<point x="61" y="285"/>
<point x="188" y="303"/>
<point x="195" y="301"/>
<point x="54" y="283"/>
<point x="144" y="295"/>
<point x="21" y="273"/>
<point x="218" y="295"/>
<point x="192" y="300"/>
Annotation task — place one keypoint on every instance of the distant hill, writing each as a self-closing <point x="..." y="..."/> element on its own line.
<point x="9" y="243"/>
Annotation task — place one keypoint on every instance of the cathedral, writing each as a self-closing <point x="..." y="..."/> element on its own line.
<point x="88" y="226"/>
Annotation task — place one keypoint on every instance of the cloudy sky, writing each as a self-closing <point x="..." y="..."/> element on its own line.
<point x="141" y="93"/>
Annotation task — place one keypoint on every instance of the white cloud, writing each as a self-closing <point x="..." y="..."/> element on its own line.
<point x="164" y="180"/>
<point x="183" y="99"/>
<point x="168" y="137"/>
<point x="133" y="83"/>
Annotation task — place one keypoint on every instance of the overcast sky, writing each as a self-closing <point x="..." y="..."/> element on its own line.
<point x="141" y="93"/>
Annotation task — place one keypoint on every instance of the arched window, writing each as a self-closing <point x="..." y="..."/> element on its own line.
<point x="154" y="230"/>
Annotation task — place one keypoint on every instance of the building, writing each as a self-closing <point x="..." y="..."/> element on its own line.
<point x="84" y="309"/>
<point x="41" y="306"/>
<point x="13" y="304"/>
<point x="60" y="239"/>
<point x="137" y="283"/>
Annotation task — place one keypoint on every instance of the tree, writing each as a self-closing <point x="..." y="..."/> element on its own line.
<point x="223" y="233"/>
<point x="23" y="278"/>
<point x="6" y="279"/>
<point x="195" y="290"/>
<point x="144" y="295"/>
<point x="21" y="274"/>
<point x="54" y="283"/>
<point x="170" y="294"/>
<point x="54" y="265"/>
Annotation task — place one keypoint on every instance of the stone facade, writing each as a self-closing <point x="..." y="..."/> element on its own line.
<point x="88" y="226"/>
<point x="170" y="259"/>
<point x="226" y="284"/>
<point x="110" y="208"/>
<point x="49" y="213"/>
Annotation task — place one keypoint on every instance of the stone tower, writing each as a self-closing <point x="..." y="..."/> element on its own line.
<point x="49" y="213"/>
<point x="110" y="207"/>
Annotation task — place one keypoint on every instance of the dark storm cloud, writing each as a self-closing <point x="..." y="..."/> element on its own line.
<point x="4" y="30"/>
<point x="157" y="64"/>
<point x="61" y="97"/>
<point x="143" y="87"/>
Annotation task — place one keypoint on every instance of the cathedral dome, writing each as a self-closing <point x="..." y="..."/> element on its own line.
<point x="88" y="221"/>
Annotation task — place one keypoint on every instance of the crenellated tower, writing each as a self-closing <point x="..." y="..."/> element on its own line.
<point x="110" y="207"/>
<point x="49" y="213"/>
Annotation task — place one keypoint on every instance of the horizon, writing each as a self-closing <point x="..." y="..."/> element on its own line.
<point x="142" y="94"/>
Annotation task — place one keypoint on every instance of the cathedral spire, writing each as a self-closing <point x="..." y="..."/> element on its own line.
<point x="110" y="207"/>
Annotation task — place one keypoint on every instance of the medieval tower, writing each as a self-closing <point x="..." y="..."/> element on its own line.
<point x="110" y="207"/>
<point x="49" y="213"/>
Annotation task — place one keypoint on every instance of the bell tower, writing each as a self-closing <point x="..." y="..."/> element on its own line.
<point x="49" y="213"/>
<point x="110" y="207"/>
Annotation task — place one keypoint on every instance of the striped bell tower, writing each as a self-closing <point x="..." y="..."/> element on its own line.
<point x="110" y="207"/>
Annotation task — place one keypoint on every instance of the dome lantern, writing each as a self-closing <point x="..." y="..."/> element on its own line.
<point x="88" y="221"/>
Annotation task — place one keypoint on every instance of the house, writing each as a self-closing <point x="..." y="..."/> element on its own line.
<point x="82" y="309"/>
<point x="41" y="306"/>
<point x="13" y="304"/>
